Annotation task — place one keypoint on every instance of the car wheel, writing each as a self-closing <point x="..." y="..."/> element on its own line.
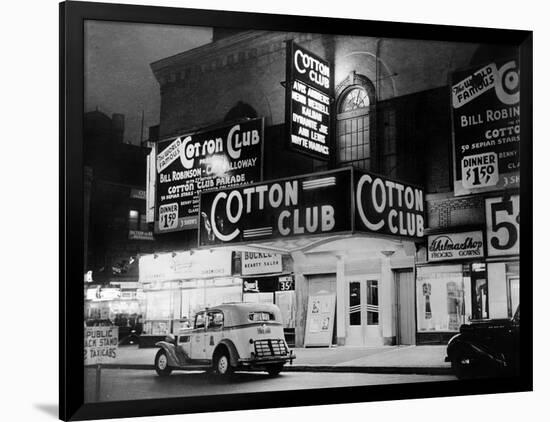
<point x="161" y="364"/>
<point x="462" y="367"/>
<point x="274" y="370"/>
<point x="222" y="364"/>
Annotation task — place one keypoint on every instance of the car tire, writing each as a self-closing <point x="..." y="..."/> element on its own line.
<point x="222" y="364"/>
<point x="161" y="364"/>
<point x="274" y="370"/>
<point x="461" y="369"/>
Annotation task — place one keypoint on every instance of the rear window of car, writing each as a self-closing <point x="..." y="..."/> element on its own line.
<point x="261" y="316"/>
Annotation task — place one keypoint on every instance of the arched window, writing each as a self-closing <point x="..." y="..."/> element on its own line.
<point x="353" y="123"/>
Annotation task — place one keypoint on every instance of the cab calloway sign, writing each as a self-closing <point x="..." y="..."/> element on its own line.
<point x="211" y="159"/>
<point x="322" y="203"/>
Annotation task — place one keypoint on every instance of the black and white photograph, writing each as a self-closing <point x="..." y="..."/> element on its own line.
<point x="266" y="210"/>
<point x="366" y="187"/>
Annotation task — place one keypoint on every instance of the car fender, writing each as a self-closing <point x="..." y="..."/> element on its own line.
<point x="460" y="344"/>
<point x="233" y="353"/>
<point x="170" y="350"/>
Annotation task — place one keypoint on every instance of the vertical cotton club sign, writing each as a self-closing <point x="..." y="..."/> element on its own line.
<point x="308" y="102"/>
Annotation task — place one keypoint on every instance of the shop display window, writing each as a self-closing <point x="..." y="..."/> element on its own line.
<point x="442" y="298"/>
<point x="503" y="279"/>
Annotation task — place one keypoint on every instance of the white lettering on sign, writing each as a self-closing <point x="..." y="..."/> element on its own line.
<point x="235" y="142"/>
<point x="317" y="72"/>
<point x="396" y="208"/>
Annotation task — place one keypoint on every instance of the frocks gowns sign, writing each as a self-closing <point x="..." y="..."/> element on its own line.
<point x="309" y="85"/>
<point x="485" y="104"/>
<point x="322" y="203"/>
<point x="467" y="245"/>
<point x="213" y="159"/>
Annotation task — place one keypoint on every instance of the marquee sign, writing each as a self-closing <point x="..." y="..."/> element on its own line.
<point x="309" y="84"/>
<point x="292" y="207"/>
<point x="388" y="207"/>
<point x="322" y="203"/>
<point x="486" y="117"/>
<point x="217" y="158"/>
<point x="452" y="246"/>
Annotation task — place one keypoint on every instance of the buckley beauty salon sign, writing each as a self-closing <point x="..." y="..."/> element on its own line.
<point x="261" y="263"/>
<point x="217" y="158"/>
<point x="323" y="203"/>
<point x="309" y="83"/>
<point x="453" y="246"/>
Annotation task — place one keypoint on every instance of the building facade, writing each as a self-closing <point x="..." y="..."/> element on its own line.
<point x="391" y="114"/>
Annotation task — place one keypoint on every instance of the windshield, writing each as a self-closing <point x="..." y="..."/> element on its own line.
<point x="261" y="316"/>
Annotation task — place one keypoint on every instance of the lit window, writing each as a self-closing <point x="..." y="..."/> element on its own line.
<point x="353" y="131"/>
<point x="133" y="220"/>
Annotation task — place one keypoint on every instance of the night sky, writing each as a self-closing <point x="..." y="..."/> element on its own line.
<point x="118" y="78"/>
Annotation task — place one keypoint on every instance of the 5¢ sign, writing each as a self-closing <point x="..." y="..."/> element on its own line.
<point x="502" y="216"/>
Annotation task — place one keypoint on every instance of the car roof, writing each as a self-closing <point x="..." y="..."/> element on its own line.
<point x="238" y="313"/>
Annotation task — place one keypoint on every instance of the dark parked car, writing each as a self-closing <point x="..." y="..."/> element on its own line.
<point x="487" y="347"/>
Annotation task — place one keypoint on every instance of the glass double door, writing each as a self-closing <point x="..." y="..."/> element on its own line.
<point x="363" y="316"/>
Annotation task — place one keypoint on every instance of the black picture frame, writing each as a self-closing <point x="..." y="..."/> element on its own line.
<point x="71" y="394"/>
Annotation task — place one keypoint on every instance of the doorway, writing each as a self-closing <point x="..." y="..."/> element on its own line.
<point x="363" y="316"/>
<point x="405" y="308"/>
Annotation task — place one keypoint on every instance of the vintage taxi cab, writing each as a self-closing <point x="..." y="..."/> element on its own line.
<point x="225" y="338"/>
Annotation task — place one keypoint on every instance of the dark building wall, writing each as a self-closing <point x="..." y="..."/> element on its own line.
<point x="114" y="173"/>
<point x="411" y="131"/>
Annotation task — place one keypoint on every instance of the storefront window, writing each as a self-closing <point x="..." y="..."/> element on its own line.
<point x="480" y="292"/>
<point x="503" y="280"/>
<point x="442" y="302"/>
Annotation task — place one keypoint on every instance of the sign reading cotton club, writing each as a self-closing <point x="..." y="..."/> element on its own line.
<point x="388" y="207"/>
<point x="307" y="205"/>
<point x="323" y="203"/>
<point x="227" y="156"/>
<point x="309" y="84"/>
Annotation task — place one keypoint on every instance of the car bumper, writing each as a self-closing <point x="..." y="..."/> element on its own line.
<point x="268" y="360"/>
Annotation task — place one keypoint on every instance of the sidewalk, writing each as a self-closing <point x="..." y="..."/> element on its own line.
<point x="386" y="359"/>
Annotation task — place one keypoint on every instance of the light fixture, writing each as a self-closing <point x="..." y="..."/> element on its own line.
<point x="387" y="254"/>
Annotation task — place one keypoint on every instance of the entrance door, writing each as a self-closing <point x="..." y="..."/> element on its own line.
<point x="404" y="287"/>
<point x="363" y="322"/>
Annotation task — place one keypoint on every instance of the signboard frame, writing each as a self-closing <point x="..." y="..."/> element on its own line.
<point x="196" y="192"/>
<point x="457" y="184"/>
<point x="481" y="237"/>
<point x="291" y="46"/>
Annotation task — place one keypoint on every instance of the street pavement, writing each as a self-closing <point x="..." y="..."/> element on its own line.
<point x="388" y="359"/>
<point x="132" y="384"/>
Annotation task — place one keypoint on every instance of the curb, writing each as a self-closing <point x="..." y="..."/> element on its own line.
<point x="420" y="370"/>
